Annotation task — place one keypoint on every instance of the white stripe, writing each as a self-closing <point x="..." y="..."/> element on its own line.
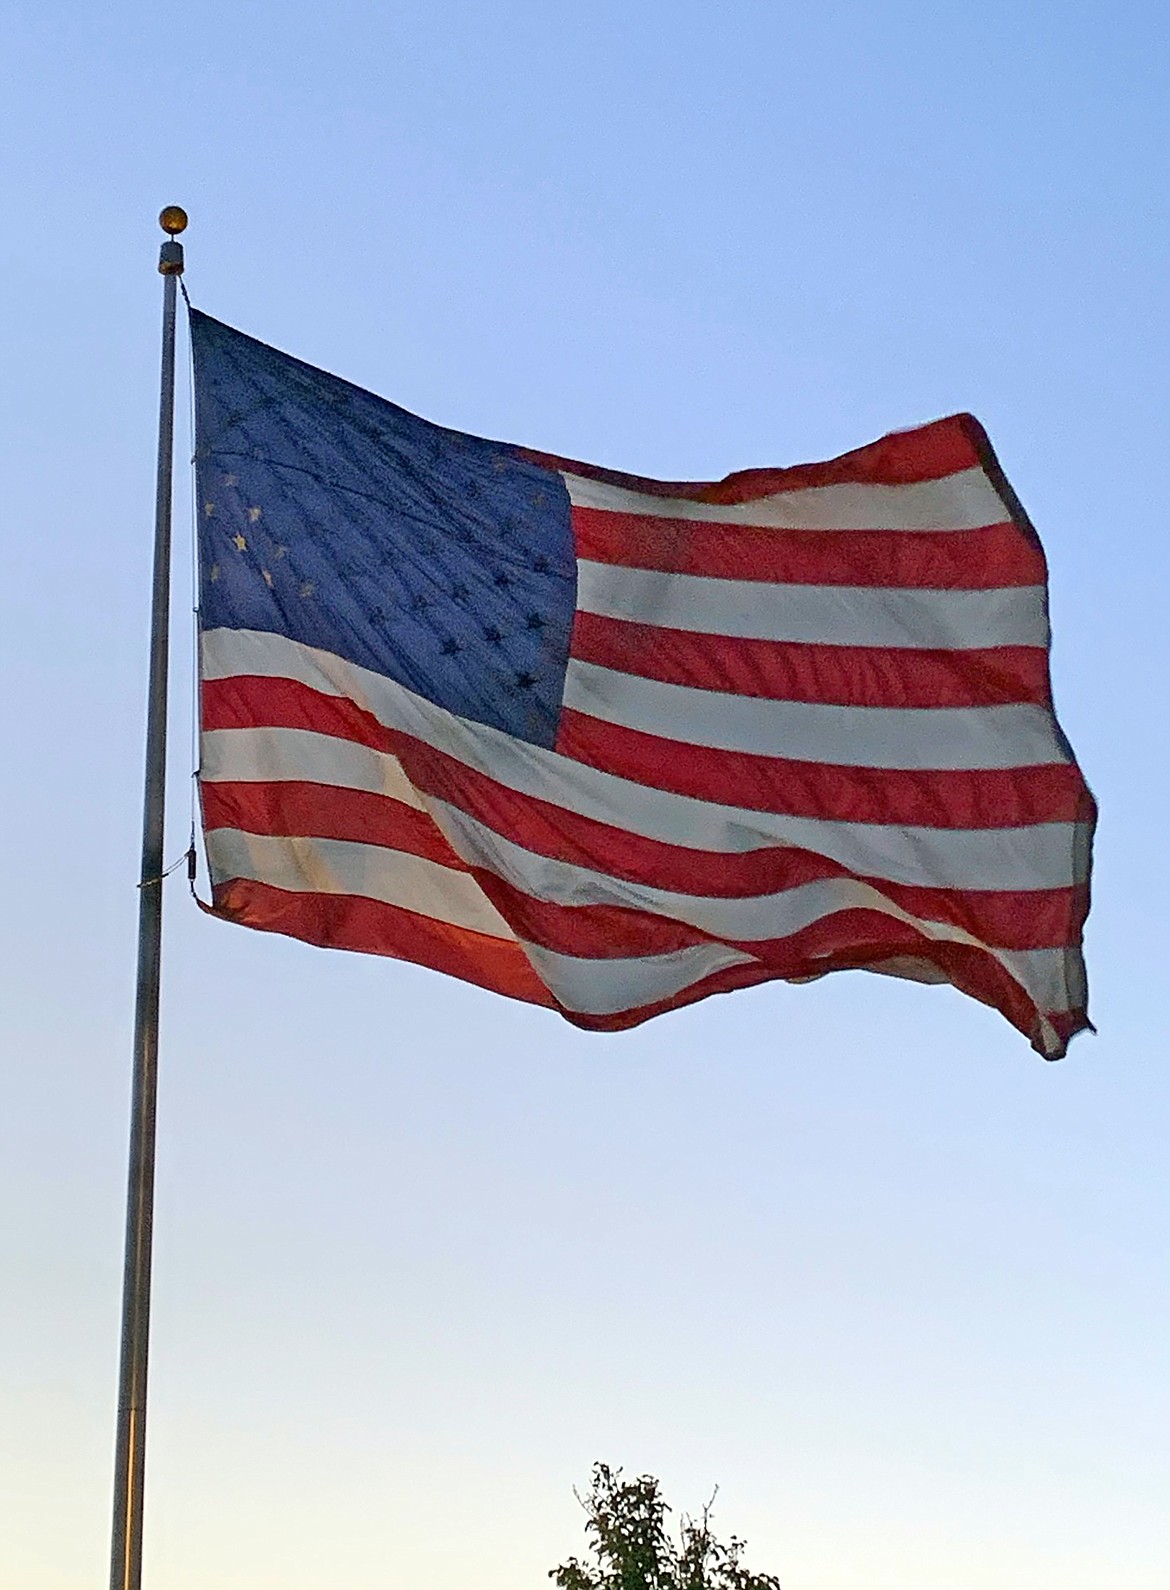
<point x="598" y="987"/>
<point x="1040" y="856"/>
<point x="917" y="738"/>
<point x="305" y="864"/>
<point x="963" y="501"/>
<point x="976" y="859"/>
<point x="826" y="615"/>
<point x="336" y="866"/>
<point x="1054" y="979"/>
<point x="264" y="756"/>
<point x="742" y="919"/>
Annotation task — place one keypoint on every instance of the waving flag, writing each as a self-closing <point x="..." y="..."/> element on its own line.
<point x="610" y="745"/>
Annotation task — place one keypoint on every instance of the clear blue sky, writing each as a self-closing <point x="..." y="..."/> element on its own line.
<point x="850" y="1251"/>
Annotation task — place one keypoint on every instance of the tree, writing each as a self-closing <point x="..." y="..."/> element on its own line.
<point x="631" y="1548"/>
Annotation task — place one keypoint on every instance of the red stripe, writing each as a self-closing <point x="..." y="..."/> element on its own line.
<point x="987" y="798"/>
<point x="848" y="676"/>
<point x="607" y="932"/>
<point x="986" y="559"/>
<point x="844" y="940"/>
<point x="349" y="922"/>
<point x="944" y="447"/>
<point x="319" y="811"/>
<point x="246" y="701"/>
<point x="1008" y="919"/>
<point x="307" y="810"/>
<point x="853" y="941"/>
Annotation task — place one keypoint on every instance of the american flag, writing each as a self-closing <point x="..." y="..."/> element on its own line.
<point x="608" y="744"/>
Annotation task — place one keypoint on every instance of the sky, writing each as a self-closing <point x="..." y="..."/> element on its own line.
<point x="850" y="1252"/>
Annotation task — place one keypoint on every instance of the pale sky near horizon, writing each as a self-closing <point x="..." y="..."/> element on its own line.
<point x="851" y="1252"/>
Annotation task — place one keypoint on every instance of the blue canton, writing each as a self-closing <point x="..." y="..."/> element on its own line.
<point x="340" y="520"/>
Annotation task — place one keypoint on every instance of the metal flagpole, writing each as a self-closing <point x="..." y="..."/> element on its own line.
<point x="130" y="1451"/>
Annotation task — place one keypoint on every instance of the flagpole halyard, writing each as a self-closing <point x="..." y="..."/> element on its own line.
<point x="130" y="1448"/>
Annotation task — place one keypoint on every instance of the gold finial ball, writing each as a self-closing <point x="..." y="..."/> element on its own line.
<point x="173" y="219"/>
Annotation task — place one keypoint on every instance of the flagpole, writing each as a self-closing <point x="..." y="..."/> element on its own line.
<point x="130" y="1448"/>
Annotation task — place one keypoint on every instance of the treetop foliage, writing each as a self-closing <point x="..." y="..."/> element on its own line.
<point x="632" y="1548"/>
